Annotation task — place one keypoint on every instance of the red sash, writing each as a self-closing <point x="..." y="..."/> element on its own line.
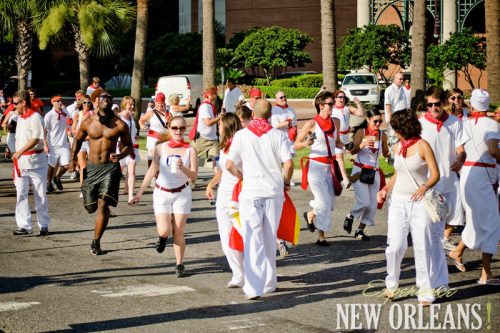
<point x="304" y="165"/>
<point x="479" y="164"/>
<point x="380" y="172"/>
<point x="15" y="168"/>
<point x="194" y="129"/>
<point x="154" y="134"/>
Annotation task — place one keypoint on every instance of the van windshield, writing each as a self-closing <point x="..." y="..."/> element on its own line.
<point x="360" y="79"/>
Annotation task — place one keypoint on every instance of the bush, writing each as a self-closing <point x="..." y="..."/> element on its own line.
<point x="284" y="83"/>
<point x="310" y="81"/>
<point x="259" y="82"/>
<point x="291" y="92"/>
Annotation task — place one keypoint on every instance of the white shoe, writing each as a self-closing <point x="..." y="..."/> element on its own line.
<point x="448" y="244"/>
<point x="72" y="175"/>
<point x="81" y="195"/>
<point x="283" y="249"/>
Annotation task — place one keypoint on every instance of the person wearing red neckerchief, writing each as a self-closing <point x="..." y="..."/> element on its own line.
<point x="255" y="94"/>
<point x="407" y="213"/>
<point x="369" y="142"/>
<point x="229" y="124"/>
<point x="36" y="103"/>
<point x="264" y="154"/>
<point x="479" y="186"/>
<point x="57" y="143"/>
<point x="317" y="173"/>
<point x="176" y="164"/>
<point x="456" y="105"/>
<point x="445" y="135"/>
<point x="30" y="166"/>
<point x="96" y="84"/>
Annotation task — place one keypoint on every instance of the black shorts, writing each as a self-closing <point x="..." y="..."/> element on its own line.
<point x="101" y="181"/>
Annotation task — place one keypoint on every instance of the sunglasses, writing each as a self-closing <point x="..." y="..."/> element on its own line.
<point x="105" y="97"/>
<point x="59" y="101"/>
<point x="15" y="103"/>
<point x="456" y="97"/>
<point x="340" y="97"/>
<point x="282" y="97"/>
<point x="377" y="121"/>
<point x="430" y="105"/>
<point x="175" y="128"/>
<point x="86" y="103"/>
<point x="331" y="104"/>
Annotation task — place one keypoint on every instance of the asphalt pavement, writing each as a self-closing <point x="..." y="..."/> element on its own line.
<point x="54" y="284"/>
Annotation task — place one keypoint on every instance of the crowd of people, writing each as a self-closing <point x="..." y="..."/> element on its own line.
<point x="251" y="145"/>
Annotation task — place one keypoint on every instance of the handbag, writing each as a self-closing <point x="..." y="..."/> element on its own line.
<point x="434" y="202"/>
<point x="367" y="176"/>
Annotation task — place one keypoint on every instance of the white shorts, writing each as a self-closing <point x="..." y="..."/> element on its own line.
<point x="172" y="203"/>
<point x="150" y="146"/>
<point x="60" y="154"/>
<point x="127" y="159"/>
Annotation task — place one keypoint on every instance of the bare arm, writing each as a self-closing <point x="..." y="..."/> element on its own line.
<point x="385" y="146"/>
<point x="210" y="121"/>
<point x="460" y="159"/>
<point x="357" y="140"/>
<point x="287" y="173"/>
<point x="145" y="118"/>
<point x="192" y="172"/>
<point x="303" y="138"/>
<point x="360" y="110"/>
<point x="209" y="192"/>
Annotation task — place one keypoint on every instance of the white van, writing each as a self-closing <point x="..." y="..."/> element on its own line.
<point x="184" y="85"/>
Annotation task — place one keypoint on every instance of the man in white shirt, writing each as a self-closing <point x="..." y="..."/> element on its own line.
<point x="57" y="143"/>
<point x="395" y="100"/>
<point x="232" y="96"/>
<point x="255" y="95"/>
<point x="207" y="144"/>
<point x="30" y="166"/>
<point x="262" y="151"/>
<point x="283" y="116"/>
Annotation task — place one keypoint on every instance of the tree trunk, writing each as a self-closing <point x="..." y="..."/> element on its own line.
<point x="83" y="52"/>
<point x="418" y="50"/>
<point x="328" y="44"/>
<point x="492" y="13"/>
<point x="141" y="31"/>
<point x="208" y="43"/>
<point x="24" y="47"/>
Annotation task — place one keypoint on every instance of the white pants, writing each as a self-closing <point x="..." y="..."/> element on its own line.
<point x="150" y="146"/>
<point x="405" y="217"/>
<point x="320" y="182"/>
<point x="457" y="216"/>
<point x="260" y="220"/>
<point x="38" y="180"/>
<point x="234" y="258"/>
<point x="366" y="199"/>
<point x="11" y="142"/>
<point x="58" y="154"/>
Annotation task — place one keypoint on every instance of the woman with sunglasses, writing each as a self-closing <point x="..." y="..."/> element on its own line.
<point x="130" y="161"/>
<point x="457" y="106"/>
<point x="321" y="135"/>
<point x="85" y="111"/>
<point x="343" y="112"/>
<point x="369" y="142"/>
<point x="414" y="162"/>
<point x="177" y="164"/>
<point x="229" y="124"/>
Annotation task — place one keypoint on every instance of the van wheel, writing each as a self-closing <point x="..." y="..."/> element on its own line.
<point x="197" y="105"/>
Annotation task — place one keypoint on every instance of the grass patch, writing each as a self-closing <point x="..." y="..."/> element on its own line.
<point x="386" y="168"/>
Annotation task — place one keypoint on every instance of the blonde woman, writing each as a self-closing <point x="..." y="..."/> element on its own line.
<point x="175" y="108"/>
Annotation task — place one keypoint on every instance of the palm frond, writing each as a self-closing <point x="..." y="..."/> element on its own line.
<point x="52" y="25"/>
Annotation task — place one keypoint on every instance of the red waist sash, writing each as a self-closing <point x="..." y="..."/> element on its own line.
<point x="154" y="134"/>
<point x="304" y="165"/>
<point x="479" y="164"/>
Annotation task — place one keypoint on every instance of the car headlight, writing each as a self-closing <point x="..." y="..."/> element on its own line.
<point x="373" y="91"/>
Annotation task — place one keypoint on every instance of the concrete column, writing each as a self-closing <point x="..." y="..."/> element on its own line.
<point x="363" y="14"/>
<point x="449" y="25"/>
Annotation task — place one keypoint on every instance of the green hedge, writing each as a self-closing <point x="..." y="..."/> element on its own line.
<point x="259" y="82"/>
<point x="303" y="93"/>
<point x="309" y="81"/>
<point x="292" y="82"/>
<point x="146" y="92"/>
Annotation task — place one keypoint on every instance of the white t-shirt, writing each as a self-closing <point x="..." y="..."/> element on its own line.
<point x="261" y="159"/>
<point x="232" y="98"/>
<point x="444" y="144"/>
<point x="205" y="112"/>
<point x="279" y="115"/>
<point x="56" y="129"/>
<point x="407" y="92"/>
<point x="27" y="129"/>
<point x="396" y="98"/>
<point x="72" y="109"/>
<point x="477" y="147"/>
<point x="227" y="180"/>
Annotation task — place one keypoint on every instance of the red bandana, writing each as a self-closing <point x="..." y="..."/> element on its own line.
<point x="177" y="144"/>
<point x="405" y="144"/>
<point x="28" y="114"/>
<point x="259" y="126"/>
<point x="371" y="131"/>
<point x="60" y="114"/>
<point x="227" y="145"/>
<point x="477" y="115"/>
<point x="326" y="125"/>
<point x="438" y="122"/>
<point x="281" y="106"/>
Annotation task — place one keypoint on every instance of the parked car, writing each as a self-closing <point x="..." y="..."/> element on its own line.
<point x="184" y="85"/>
<point x="364" y="86"/>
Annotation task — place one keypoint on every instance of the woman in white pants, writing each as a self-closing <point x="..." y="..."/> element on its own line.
<point x="368" y="143"/>
<point x="176" y="162"/>
<point x="130" y="161"/>
<point x="229" y="124"/>
<point x="413" y="159"/>
<point x="321" y="134"/>
<point x="85" y="111"/>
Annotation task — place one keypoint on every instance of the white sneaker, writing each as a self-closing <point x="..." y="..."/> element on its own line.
<point x="81" y="195"/>
<point x="283" y="249"/>
<point x="72" y="175"/>
<point x="448" y="244"/>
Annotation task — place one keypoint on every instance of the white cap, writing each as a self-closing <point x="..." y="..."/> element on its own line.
<point x="480" y="100"/>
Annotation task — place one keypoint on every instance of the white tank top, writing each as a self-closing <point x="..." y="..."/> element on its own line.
<point x="131" y="127"/>
<point x="227" y="180"/>
<point x="166" y="178"/>
<point x="344" y="115"/>
<point x="416" y="165"/>
<point x="368" y="156"/>
<point x="318" y="148"/>
<point x="155" y="124"/>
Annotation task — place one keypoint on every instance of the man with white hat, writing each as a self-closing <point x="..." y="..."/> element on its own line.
<point x="478" y="187"/>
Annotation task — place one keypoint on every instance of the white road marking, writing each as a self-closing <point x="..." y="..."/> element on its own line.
<point x="144" y="290"/>
<point x="12" y="306"/>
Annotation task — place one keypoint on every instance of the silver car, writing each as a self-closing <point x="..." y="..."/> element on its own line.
<point x="364" y="86"/>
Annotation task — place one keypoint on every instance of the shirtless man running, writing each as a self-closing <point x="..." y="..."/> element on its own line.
<point x="102" y="175"/>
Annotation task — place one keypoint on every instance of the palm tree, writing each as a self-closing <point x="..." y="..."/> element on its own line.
<point x="492" y="13"/>
<point x="20" y="17"/>
<point x="328" y="44"/>
<point x="418" y="47"/>
<point x="141" y="32"/>
<point x="208" y="43"/>
<point x="92" y="25"/>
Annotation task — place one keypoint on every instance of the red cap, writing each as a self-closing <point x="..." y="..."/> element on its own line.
<point x="255" y="92"/>
<point x="56" y="98"/>
<point x="160" y="97"/>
